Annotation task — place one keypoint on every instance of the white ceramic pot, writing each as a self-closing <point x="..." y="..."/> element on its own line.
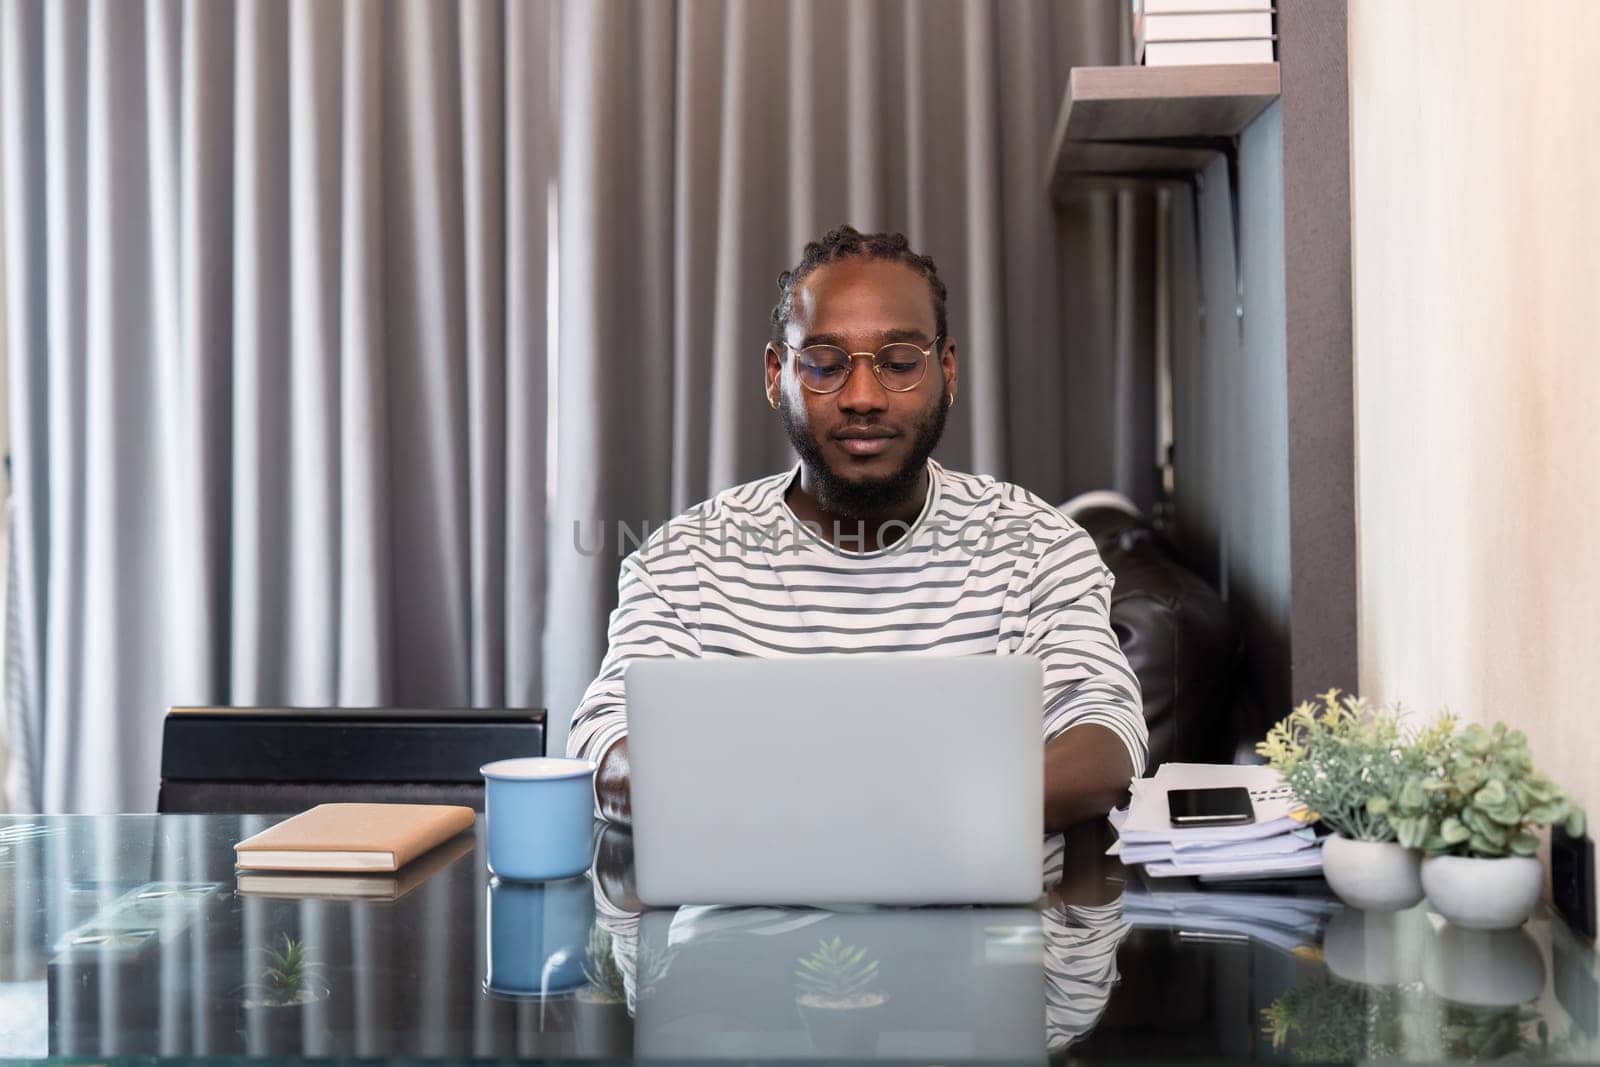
<point x="1379" y="948"/>
<point x="1371" y="875"/>
<point x="1484" y="968"/>
<point x="1483" y="894"/>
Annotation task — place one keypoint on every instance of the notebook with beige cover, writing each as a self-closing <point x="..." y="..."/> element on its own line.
<point x="352" y="837"/>
<point x="386" y="886"/>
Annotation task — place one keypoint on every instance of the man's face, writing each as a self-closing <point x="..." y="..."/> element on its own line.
<point x="865" y="446"/>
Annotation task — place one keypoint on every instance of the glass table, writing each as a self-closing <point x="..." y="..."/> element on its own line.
<point x="132" y="936"/>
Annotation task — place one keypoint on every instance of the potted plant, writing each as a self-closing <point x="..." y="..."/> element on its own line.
<point x="1343" y="759"/>
<point x="1471" y="806"/>
<point x="837" y="1000"/>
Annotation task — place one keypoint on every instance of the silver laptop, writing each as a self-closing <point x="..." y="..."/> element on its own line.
<point x="837" y="779"/>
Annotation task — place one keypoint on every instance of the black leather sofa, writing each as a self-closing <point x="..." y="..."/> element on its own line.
<point x="1179" y="639"/>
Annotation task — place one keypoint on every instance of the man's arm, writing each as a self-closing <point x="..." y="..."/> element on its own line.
<point x="1095" y="734"/>
<point x="1086" y="771"/>
<point x="643" y="626"/>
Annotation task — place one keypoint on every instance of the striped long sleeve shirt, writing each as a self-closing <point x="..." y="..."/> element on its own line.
<point x="987" y="568"/>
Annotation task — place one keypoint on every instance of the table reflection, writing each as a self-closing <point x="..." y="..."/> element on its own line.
<point x="1408" y="985"/>
<point x="996" y="983"/>
<point x="133" y="936"/>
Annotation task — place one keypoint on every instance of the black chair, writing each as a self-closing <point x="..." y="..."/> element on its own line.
<point x="282" y="760"/>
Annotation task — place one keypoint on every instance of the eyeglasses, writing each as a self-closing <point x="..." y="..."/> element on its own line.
<point x="899" y="367"/>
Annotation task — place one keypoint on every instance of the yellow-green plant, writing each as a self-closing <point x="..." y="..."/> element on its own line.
<point x="1337" y="755"/>
<point x="837" y="974"/>
<point x="1475" y="792"/>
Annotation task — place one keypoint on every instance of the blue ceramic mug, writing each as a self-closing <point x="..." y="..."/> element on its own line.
<point x="540" y="816"/>
<point x="538" y="936"/>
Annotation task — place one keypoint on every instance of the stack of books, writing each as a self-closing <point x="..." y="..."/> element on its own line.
<point x="1176" y="33"/>
<point x="1279" y="843"/>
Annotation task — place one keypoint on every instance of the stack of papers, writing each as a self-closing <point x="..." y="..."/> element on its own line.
<point x="1278" y="844"/>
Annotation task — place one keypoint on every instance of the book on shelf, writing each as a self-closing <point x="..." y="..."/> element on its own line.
<point x="1207" y="53"/>
<point x="1198" y="7"/>
<point x="1209" y="31"/>
<point x="1222" y="26"/>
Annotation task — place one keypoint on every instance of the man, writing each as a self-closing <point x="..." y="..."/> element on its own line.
<point x="869" y="545"/>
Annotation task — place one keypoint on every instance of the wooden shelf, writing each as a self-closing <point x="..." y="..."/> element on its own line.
<point x="1111" y="114"/>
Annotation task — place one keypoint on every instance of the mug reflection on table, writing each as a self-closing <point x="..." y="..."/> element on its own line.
<point x="538" y="936"/>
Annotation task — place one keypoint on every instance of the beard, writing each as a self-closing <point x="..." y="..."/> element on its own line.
<point x="864" y="499"/>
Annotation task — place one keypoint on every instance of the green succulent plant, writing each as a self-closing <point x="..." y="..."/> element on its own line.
<point x="1476" y="793"/>
<point x="288" y="973"/>
<point x="836" y="973"/>
<point x="1338" y="753"/>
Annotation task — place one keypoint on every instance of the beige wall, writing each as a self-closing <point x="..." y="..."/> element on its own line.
<point x="1475" y="167"/>
<point x="5" y="496"/>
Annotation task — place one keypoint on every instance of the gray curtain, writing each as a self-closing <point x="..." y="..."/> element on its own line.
<point x="299" y="417"/>
<point x="278" y="349"/>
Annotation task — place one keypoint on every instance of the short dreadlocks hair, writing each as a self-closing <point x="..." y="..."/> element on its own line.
<point x="842" y="242"/>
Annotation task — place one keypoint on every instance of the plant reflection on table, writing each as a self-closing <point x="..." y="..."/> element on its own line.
<point x="1471" y="1033"/>
<point x="606" y="984"/>
<point x="836" y="997"/>
<point x="1332" y="1020"/>
<point x="1337" y="1021"/>
<point x="289" y="978"/>
<point x="836" y="975"/>
<point x="614" y="966"/>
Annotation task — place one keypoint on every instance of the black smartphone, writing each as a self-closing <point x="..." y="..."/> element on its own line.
<point x="1228" y="806"/>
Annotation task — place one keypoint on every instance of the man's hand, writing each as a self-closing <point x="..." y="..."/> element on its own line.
<point x="611" y="785"/>
<point x="1086" y="772"/>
